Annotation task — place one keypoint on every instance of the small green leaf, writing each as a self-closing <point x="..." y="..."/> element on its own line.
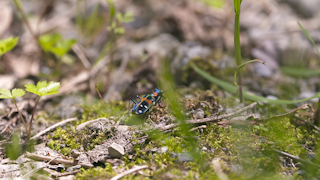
<point x="48" y="41"/>
<point x="43" y="88"/>
<point x="18" y="93"/>
<point x="215" y="3"/>
<point x="31" y="88"/>
<point x="8" y="44"/>
<point x="14" y="149"/>
<point x="55" y="44"/>
<point x="5" y="94"/>
<point x="62" y="47"/>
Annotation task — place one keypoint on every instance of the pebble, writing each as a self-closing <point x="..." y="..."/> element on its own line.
<point x="185" y="157"/>
<point x="116" y="150"/>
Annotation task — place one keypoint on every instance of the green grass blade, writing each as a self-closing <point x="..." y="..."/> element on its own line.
<point x="300" y="72"/>
<point x="309" y="37"/>
<point x="233" y="90"/>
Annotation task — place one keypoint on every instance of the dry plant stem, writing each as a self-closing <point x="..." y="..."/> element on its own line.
<point x="312" y="125"/>
<point x="316" y="116"/>
<point x="56" y="174"/>
<point x="25" y="20"/>
<point x="35" y="170"/>
<point x="210" y="119"/>
<point x="43" y="13"/>
<point x="53" y="127"/>
<point x="137" y="168"/>
<point x="62" y="161"/>
<point x="104" y="102"/>
<point x="22" y="119"/>
<point x="77" y="49"/>
<point x="296" y="158"/>
<point x="30" y="125"/>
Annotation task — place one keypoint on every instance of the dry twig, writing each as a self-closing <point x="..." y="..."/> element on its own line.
<point x="53" y="127"/>
<point x="296" y="158"/>
<point x="77" y="49"/>
<point x="56" y="174"/>
<point x="62" y="161"/>
<point x="211" y="119"/>
<point x="35" y="170"/>
<point x="136" y="168"/>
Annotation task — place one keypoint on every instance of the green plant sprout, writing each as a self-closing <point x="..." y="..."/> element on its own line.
<point x="7" y="45"/>
<point x="121" y="18"/>
<point x="55" y="44"/>
<point x="237" y="46"/>
<point x="116" y="19"/>
<point x="41" y="89"/>
<point x="6" y="94"/>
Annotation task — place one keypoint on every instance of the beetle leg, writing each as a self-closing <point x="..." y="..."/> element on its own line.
<point x="133" y="101"/>
<point x="138" y="97"/>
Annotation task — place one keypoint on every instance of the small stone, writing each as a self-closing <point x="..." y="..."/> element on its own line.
<point x="301" y="172"/>
<point x="236" y="168"/>
<point x="72" y="168"/>
<point x="272" y="97"/>
<point x="116" y="150"/>
<point x="199" y="114"/>
<point x="185" y="157"/>
<point x="164" y="149"/>
<point x="75" y="153"/>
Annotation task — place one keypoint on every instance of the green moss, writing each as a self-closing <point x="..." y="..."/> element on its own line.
<point x="96" y="173"/>
<point x="281" y="134"/>
<point x="64" y="140"/>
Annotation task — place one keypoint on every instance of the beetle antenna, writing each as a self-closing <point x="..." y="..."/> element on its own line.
<point x="133" y="101"/>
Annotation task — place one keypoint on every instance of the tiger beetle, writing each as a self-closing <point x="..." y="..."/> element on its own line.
<point x="146" y="102"/>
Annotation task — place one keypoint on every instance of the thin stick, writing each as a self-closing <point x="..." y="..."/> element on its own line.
<point x="30" y="125"/>
<point x="62" y="161"/>
<point x="137" y="168"/>
<point x="296" y="158"/>
<point x="77" y="49"/>
<point x="35" y="170"/>
<point x="211" y="119"/>
<point x="22" y="119"/>
<point x="53" y="127"/>
<point x="312" y="125"/>
<point x="56" y="174"/>
<point x="25" y="20"/>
